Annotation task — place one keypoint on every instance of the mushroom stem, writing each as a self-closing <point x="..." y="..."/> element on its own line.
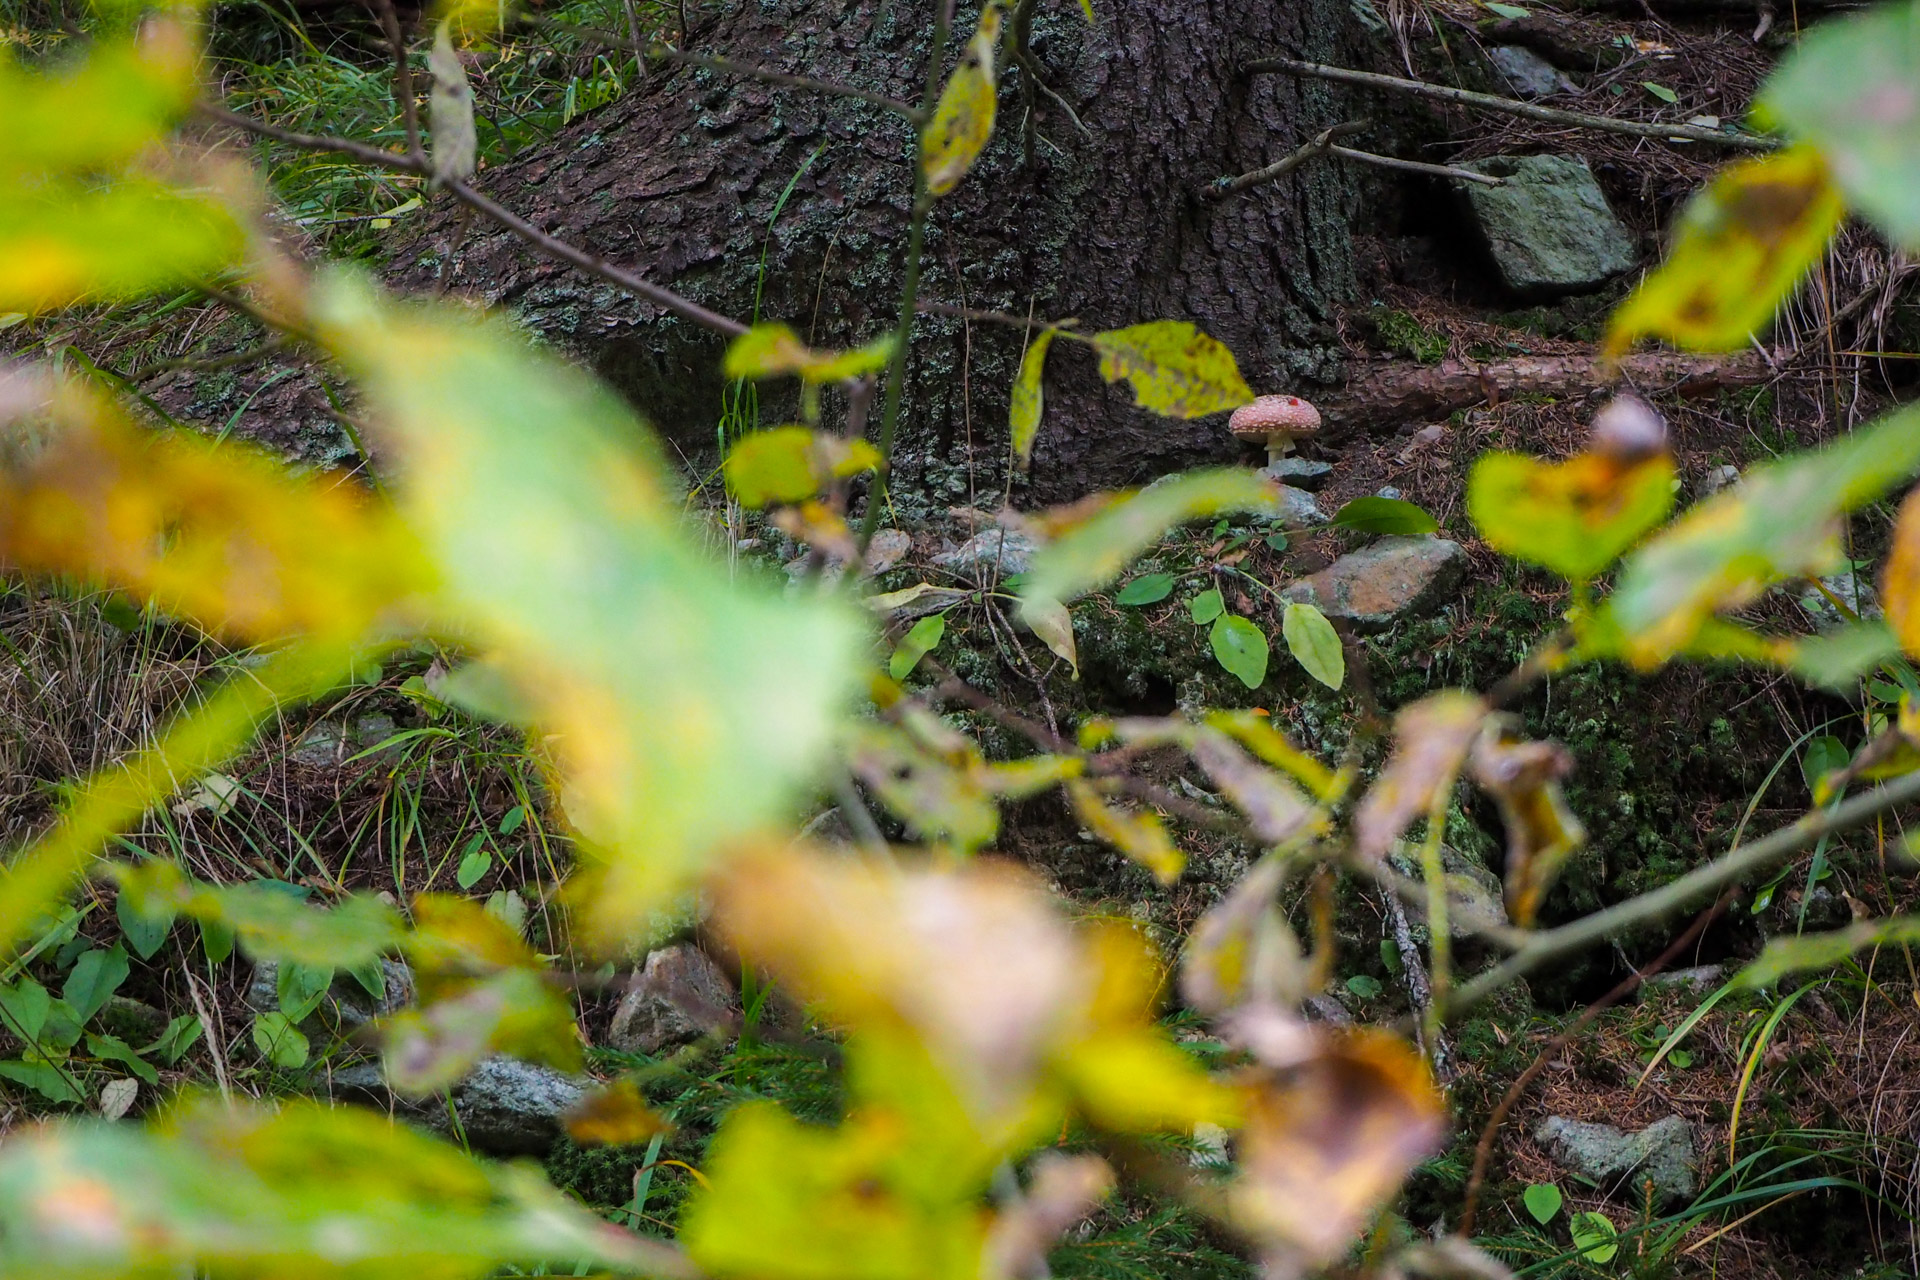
<point x="1279" y="445"/>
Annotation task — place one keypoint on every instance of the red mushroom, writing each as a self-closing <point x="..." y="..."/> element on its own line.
<point x="1275" y="421"/>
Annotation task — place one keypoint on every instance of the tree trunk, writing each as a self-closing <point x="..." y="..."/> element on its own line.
<point x="1100" y="219"/>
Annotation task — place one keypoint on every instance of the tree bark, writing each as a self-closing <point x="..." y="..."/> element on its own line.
<point x="1103" y="220"/>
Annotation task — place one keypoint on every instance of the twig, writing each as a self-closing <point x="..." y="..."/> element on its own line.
<point x="1512" y="107"/>
<point x="206" y="364"/>
<point x="667" y="53"/>
<point x="1483" y="1152"/>
<point x="216" y="1036"/>
<point x="1417" y="166"/>
<point x="664" y="298"/>
<point x="1221" y="188"/>
<point x="402" y="79"/>
<point x="1696" y="884"/>
<point x="1413" y="976"/>
<point x="994" y="317"/>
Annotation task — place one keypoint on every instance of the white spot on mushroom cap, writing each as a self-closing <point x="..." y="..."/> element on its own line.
<point x="1268" y="415"/>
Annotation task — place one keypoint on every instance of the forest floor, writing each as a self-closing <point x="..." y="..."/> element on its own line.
<point x="1802" y="1103"/>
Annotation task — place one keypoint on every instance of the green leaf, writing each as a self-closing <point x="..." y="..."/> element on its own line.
<point x="301" y="988"/>
<point x="1206" y="606"/>
<point x="271" y="918"/>
<point x="692" y="706"/>
<point x="1364" y="986"/>
<point x="963" y="118"/>
<point x="1148" y="588"/>
<point x="1513" y="11"/>
<point x="371" y="978"/>
<point x="26" y="1004"/>
<point x="1092" y="553"/>
<point x="1742" y="246"/>
<point x="253" y="1189"/>
<point x="114" y="1049"/>
<point x="456" y="141"/>
<point x="1837" y="658"/>
<point x="1384" y="515"/>
<point x="1543" y="1201"/>
<point x="95" y="976"/>
<point x="1681" y="1059"/>
<point x="512" y="820"/>
<point x="1778" y="523"/>
<point x="99" y="114"/>
<point x="773" y="350"/>
<point x="279" y="1041"/>
<point x="64" y="243"/>
<point x="1595" y="1236"/>
<point x="1240" y="648"/>
<point x="792" y="464"/>
<point x="1574" y="517"/>
<point x="1660" y="91"/>
<point x="45" y="1079"/>
<point x="1029" y="398"/>
<point x="1847" y="88"/>
<point x="182" y="1034"/>
<point x="922" y="640"/>
<point x="1054" y="625"/>
<point x="473" y="867"/>
<point x="1314" y="643"/>
<point x="145" y="928"/>
<point x="1784" y="956"/>
<point x="1176" y="370"/>
<point x="1822" y="756"/>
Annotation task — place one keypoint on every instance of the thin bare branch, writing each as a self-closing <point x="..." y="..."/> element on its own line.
<point x="1221" y="188"/>
<point x="1417" y="166"/>
<point x="1510" y="106"/>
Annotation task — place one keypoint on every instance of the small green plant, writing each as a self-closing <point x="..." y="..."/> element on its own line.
<point x="1543" y="1201"/>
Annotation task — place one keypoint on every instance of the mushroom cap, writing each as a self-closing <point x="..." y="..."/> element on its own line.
<point x="1274" y="415"/>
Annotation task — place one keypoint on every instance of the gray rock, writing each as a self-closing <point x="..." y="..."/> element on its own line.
<point x="370" y="731"/>
<point x="1476" y="900"/>
<point x="1298" y="510"/>
<point x="1006" y="551"/>
<point x="1855" y="590"/>
<point x="134" y="1021"/>
<point x="1378" y="585"/>
<point x="1721" y="477"/>
<point x="1702" y="977"/>
<point x="347" y="1005"/>
<point x="1388" y="492"/>
<point x="1548" y="225"/>
<point x="322" y="746"/>
<point x="1530" y="75"/>
<point x="1301" y="473"/>
<point x="505" y="1106"/>
<point x="1662" y="1153"/>
<point x="677" y="995"/>
<point x="888" y="548"/>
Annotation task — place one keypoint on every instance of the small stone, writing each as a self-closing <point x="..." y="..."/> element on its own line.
<point x="1301" y="473"/>
<point x="1388" y="492"/>
<point x="134" y="1021"/>
<point x="1476" y="900"/>
<point x="1005" y="551"/>
<point x="505" y="1106"/>
<point x="675" y="998"/>
<point x="1530" y="75"/>
<point x="1721" y="477"/>
<point x="1380" y="584"/>
<point x="1855" y="590"/>
<point x="1702" y="977"/>
<point x="347" y="1006"/>
<point x="1662" y="1153"/>
<point x="888" y="548"/>
<point x="1298" y="510"/>
<point x="321" y="747"/>
<point x="376" y="730"/>
<point x="1548" y="226"/>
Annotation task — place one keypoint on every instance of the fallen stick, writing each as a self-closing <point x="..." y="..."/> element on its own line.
<point x="1403" y="392"/>
<point x="1221" y="188"/>
<point x="1511" y="106"/>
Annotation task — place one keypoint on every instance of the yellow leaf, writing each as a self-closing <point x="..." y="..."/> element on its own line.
<point x="613" y="1116"/>
<point x="1176" y="370"/>
<point x="64" y="242"/>
<point x="792" y="464"/>
<point x="772" y="350"/>
<point x="1051" y="621"/>
<point x="99" y="112"/>
<point x="1327" y="1143"/>
<point x="1029" y="398"/>
<point x="1743" y="245"/>
<point x="1431" y="739"/>
<point x="218" y="533"/>
<point x="1900" y="577"/>
<point x="963" y="118"/>
<point x="1242" y="952"/>
<point x="456" y="142"/>
<point x="1136" y="1081"/>
<point x="1138" y="835"/>
<point x="1542" y="833"/>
